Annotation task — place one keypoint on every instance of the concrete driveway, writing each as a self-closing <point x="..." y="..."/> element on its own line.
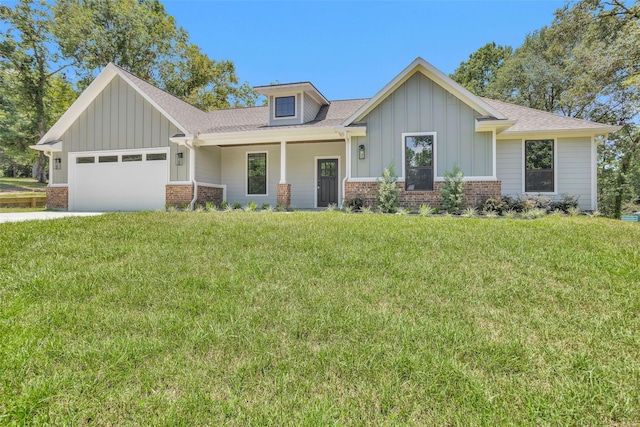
<point x="30" y="216"/>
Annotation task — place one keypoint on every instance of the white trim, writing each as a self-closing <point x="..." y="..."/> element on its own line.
<point x="315" y="178"/>
<point x="246" y="173"/>
<point x="347" y="172"/>
<point x="555" y="168"/>
<point x="594" y="174"/>
<point x="61" y="185"/>
<point x="494" y="144"/>
<point x="295" y="109"/>
<point x="434" y="154"/>
<point x="422" y="66"/>
<point x="283" y="162"/>
<point x="469" y="178"/>
<point x="277" y="134"/>
<point x="121" y="151"/>
<point x="551" y="134"/>
<point x="179" y="183"/>
<point x="365" y="179"/>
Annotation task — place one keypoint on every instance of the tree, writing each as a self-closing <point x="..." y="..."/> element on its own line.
<point x="139" y="36"/>
<point x="480" y="70"/>
<point x="27" y="61"/>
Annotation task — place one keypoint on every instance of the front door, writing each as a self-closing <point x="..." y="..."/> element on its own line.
<point x="327" y="182"/>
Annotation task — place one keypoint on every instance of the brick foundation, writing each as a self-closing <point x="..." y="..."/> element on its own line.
<point x="57" y="198"/>
<point x="283" y="195"/>
<point x="177" y="195"/>
<point x="474" y="193"/>
<point x="209" y="194"/>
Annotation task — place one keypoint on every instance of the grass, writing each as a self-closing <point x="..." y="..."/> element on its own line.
<point x="240" y="318"/>
<point x="25" y="186"/>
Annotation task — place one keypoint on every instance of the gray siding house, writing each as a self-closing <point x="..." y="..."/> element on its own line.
<point x="126" y="145"/>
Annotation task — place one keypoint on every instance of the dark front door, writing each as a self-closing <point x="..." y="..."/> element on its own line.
<point x="327" y="182"/>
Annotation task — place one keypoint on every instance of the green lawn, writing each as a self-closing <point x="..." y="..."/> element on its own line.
<point x="319" y="319"/>
<point x="22" y="185"/>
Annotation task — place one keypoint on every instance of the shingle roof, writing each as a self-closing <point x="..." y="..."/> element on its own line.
<point x="256" y="118"/>
<point x="532" y="120"/>
<point x="337" y="112"/>
<point x="191" y="118"/>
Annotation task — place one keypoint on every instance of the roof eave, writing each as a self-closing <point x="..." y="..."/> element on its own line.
<point x="491" y="125"/>
<point x="540" y="133"/>
<point x="275" y="136"/>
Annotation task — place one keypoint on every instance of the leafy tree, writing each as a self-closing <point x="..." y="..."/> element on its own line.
<point x="480" y="70"/>
<point x="27" y="60"/>
<point x="139" y="36"/>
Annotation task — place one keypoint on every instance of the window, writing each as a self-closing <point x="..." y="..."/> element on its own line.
<point x="419" y="162"/>
<point x="156" y="156"/>
<point x="257" y="173"/>
<point x="538" y="161"/>
<point x="81" y="160"/>
<point x="132" y="157"/>
<point x="107" y="159"/>
<point x="286" y="106"/>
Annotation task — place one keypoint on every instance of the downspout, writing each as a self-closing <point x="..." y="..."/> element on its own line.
<point x="347" y="156"/>
<point x="192" y="172"/>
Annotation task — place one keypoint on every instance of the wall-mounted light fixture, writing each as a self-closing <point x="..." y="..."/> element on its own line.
<point x="361" y="152"/>
<point x="57" y="163"/>
<point x="179" y="159"/>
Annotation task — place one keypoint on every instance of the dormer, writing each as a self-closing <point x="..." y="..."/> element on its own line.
<point x="292" y="103"/>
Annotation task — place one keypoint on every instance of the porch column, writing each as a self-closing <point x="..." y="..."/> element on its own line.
<point x="283" y="195"/>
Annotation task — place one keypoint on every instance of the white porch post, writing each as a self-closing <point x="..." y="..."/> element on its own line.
<point x="283" y="162"/>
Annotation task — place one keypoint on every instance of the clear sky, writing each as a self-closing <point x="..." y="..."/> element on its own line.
<point x="351" y="49"/>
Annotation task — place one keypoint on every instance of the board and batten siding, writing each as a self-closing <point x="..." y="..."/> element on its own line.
<point x="421" y="105"/>
<point x="311" y="108"/>
<point x="208" y="167"/>
<point x="573" y="174"/>
<point x="120" y="119"/>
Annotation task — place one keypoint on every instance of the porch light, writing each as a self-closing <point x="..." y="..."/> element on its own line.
<point x="57" y="163"/>
<point x="361" y="152"/>
<point x="179" y="159"/>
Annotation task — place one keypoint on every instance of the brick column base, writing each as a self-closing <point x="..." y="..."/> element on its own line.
<point x="57" y="198"/>
<point x="178" y="195"/>
<point x="284" y="194"/>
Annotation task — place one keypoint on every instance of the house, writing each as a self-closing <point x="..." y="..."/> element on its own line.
<point x="126" y="145"/>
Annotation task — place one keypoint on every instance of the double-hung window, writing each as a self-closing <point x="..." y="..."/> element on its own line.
<point x="538" y="166"/>
<point x="418" y="162"/>
<point x="257" y="173"/>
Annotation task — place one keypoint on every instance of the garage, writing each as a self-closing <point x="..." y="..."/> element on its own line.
<point x="118" y="181"/>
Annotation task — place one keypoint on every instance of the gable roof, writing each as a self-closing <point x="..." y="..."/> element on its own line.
<point x="529" y="120"/>
<point x="183" y="115"/>
<point x="422" y="66"/>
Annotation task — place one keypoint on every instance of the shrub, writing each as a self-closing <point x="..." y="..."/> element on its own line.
<point x="492" y="204"/>
<point x="573" y="211"/>
<point x="331" y="207"/>
<point x="347" y="209"/>
<point x="453" y="189"/>
<point x="199" y="208"/>
<point x="237" y="205"/>
<point x="425" y="210"/>
<point x="224" y="204"/>
<point x="355" y="204"/>
<point x="366" y="210"/>
<point x="280" y="207"/>
<point x="265" y="207"/>
<point x="403" y="211"/>
<point x="388" y="191"/>
<point x="469" y="213"/>
<point x="566" y="203"/>
<point x="209" y="206"/>
<point x="251" y="206"/>
<point x="491" y="214"/>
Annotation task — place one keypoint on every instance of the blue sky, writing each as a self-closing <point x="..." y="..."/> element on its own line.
<point x="351" y="49"/>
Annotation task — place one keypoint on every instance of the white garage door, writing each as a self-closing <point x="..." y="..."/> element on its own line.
<point x="131" y="181"/>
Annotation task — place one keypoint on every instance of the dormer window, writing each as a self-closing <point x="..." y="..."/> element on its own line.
<point x="285" y="106"/>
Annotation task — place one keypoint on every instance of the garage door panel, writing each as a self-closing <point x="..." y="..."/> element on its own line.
<point x="119" y="186"/>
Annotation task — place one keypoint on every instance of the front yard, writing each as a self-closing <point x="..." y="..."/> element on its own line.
<point x="319" y="318"/>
